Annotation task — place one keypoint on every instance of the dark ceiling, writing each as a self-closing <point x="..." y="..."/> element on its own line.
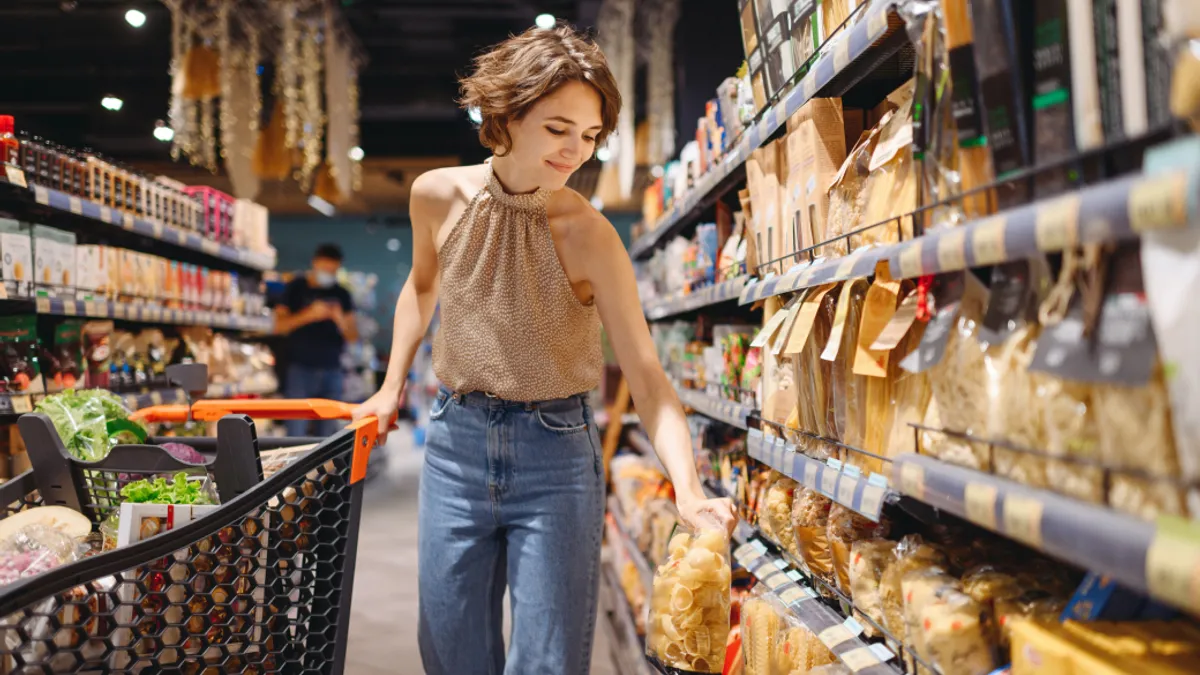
<point x="58" y="59"/>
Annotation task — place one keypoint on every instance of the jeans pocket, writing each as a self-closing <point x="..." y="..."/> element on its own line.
<point x="563" y="420"/>
<point x="440" y="405"/>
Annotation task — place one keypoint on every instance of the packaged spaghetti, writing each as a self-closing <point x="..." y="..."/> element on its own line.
<point x="911" y="554"/>
<point x="810" y="518"/>
<point x="909" y="396"/>
<point x="868" y="559"/>
<point x="778" y="513"/>
<point x="954" y="635"/>
<point x="813" y="377"/>
<point x="761" y="620"/>
<point x="849" y="389"/>
<point x="845" y="528"/>
<point x="1010" y="388"/>
<point x="689" y="604"/>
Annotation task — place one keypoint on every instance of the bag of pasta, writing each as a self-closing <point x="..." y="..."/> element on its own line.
<point x="1071" y="433"/>
<point x="921" y="588"/>
<point x="762" y="616"/>
<point x="689" y="604"/>
<point x="891" y="186"/>
<point x="847" y="196"/>
<point x="959" y="399"/>
<point x="814" y="377"/>
<point x="868" y="559"/>
<point x="1010" y="387"/>
<point x="955" y="636"/>
<point x="810" y="518"/>
<point x="909" y="395"/>
<point x="845" y="528"/>
<point x="912" y="553"/>
<point x="777" y="512"/>
<point x="797" y="650"/>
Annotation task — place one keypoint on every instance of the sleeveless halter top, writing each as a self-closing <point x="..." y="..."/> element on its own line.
<point x="511" y="325"/>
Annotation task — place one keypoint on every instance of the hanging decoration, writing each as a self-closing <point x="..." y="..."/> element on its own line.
<point x="216" y="101"/>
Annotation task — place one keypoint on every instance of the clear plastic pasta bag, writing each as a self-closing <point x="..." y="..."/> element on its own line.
<point x="777" y="512"/>
<point x="1071" y="432"/>
<point x="845" y="528"/>
<point x="762" y="617"/>
<point x="868" y="559"/>
<point x="955" y="635"/>
<point x="921" y="588"/>
<point x="959" y="400"/>
<point x="1010" y="388"/>
<point x="810" y="518"/>
<point x="797" y="650"/>
<point x="689" y="604"/>
<point x="912" y="553"/>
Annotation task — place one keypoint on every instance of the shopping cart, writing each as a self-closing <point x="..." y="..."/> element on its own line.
<point x="261" y="584"/>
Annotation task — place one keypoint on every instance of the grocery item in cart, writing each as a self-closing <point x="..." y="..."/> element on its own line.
<point x="82" y="420"/>
<point x="689" y="604"/>
<point x="35" y="548"/>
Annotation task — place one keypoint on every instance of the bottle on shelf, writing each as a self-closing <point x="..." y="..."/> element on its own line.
<point x="10" y="147"/>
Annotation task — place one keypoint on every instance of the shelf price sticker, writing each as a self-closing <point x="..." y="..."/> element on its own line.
<point x="795" y="576"/>
<point x="1158" y="203"/>
<point x="74" y="205"/>
<point x="1023" y="519"/>
<point x="744" y="551"/>
<point x="874" y="492"/>
<point x="1056" y="224"/>
<point x="980" y="502"/>
<point x="1173" y="562"/>
<point x="106" y="215"/>
<point x="846" y="488"/>
<point x="811" y="471"/>
<point x="15" y="176"/>
<point x="43" y="305"/>
<point x="41" y="195"/>
<point x="883" y="652"/>
<point x="912" y="480"/>
<point x="69" y="308"/>
<point x="910" y="260"/>
<point x="835" y="635"/>
<point x="859" y="659"/>
<point x="793" y="595"/>
<point x="829" y="479"/>
<point x="127" y="221"/>
<point x="754" y="441"/>
<point x="877" y="22"/>
<point x="988" y="241"/>
<point x="952" y="250"/>
<point x="841" y="53"/>
<point x="775" y="580"/>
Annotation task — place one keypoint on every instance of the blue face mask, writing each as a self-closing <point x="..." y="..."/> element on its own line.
<point x="324" y="279"/>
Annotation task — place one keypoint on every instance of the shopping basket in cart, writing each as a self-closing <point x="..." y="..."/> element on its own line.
<point x="261" y="584"/>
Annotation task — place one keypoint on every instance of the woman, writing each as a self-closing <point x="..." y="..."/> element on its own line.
<point x="526" y="271"/>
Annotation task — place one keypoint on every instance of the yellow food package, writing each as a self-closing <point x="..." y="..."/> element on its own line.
<point x="1047" y="647"/>
<point x="689" y="603"/>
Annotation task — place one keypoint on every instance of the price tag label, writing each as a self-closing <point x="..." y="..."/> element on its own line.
<point x="106" y="215"/>
<point x="834" y="635"/>
<point x="1173" y="562"/>
<point x="41" y="195"/>
<point x="743" y="551"/>
<point x="853" y="626"/>
<point x="22" y="404"/>
<point x="809" y="85"/>
<point x="753" y="442"/>
<point x="774" y="581"/>
<point x="829" y="479"/>
<point x="70" y="308"/>
<point x="792" y="595"/>
<point x="15" y="176"/>
<point x="910" y="260"/>
<point x="912" y="480"/>
<point x="759" y="546"/>
<point x="845" y="491"/>
<point x="181" y="237"/>
<point x="811" y="469"/>
<point x="795" y="575"/>
<point x="846" y="268"/>
<point x="981" y="504"/>
<point x="1158" y="203"/>
<point x="120" y="311"/>
<point x="859" y="659"/>
<point x="952" y="250"/>
<point x="1023" y="519"/>
<point x="988" y="241"/>
<point x="156" y="397"/>
<point x="127" y="221"/>
<point x="75" y="206"/>
<point x="841" y="53"/>
<point x="43" y="305"/>
<point x="781" y="563"/>
<point x="157" y="228"/>
<point x="882" y="652"/>
<point x="209" y="246"/>
<point x="1056" y="225"/>
<point x="872" y="499"/>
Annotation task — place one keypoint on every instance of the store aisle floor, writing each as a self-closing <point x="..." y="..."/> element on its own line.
<point x="383" y="631"/>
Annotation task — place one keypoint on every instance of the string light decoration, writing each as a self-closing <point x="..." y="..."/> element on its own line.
<point x="215" y="103"/>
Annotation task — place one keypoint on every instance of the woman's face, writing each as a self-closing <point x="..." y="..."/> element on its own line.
<point x="557" y="135"/>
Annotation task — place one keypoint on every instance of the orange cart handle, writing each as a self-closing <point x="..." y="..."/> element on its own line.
<point x="274" y="409"/>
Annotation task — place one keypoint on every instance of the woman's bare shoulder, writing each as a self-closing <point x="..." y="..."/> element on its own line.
<point x="578" y="219"/>
<point x="440" y="190"/>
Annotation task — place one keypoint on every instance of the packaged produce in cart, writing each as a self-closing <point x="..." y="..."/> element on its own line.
<point x="689" y="606"/>
<point x="868" y="559"/>
<point x="810" y="518"/>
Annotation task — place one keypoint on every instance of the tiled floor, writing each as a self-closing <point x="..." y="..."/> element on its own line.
<point x="383" y="632"/>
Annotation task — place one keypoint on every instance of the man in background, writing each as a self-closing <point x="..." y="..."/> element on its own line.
<point x="316" y="315"/>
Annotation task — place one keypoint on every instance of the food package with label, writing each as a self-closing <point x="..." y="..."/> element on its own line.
<point x="689" y="603"/>
<point x="955" y="635"/>
<point x="891" y="186"/>
<point x="910" y="394"/>
<point x="814" y="377"/>
<point x="990" y="586"/>
<point x="959" y="400"/>
<point x="868" y="559"/>
<point x="1032" y="604"/>
<point x="1047" y="647"/>
<point x="762" y="616"/>
<point x="911" y="554"/>
<point x="921" y="588"/>
<point x="845" y="528"/>
<point x="778" y="513"/>
<point x="816" y="147"/>
<point x="810" y="518"/>
<point x="1010" y="388"/>
<point x="848" y="195"/>
<point x="1072" y="433"/>
<point x="797" y="651"/>
<point x="849" y="389"/>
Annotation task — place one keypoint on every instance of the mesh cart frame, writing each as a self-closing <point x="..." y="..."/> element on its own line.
<point x="261" y="584"/>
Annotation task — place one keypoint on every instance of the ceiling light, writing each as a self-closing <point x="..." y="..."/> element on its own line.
<point x="598" y="203"/>
<point x="474" y="115"/>
<point x="604" y="154"/>
<point x="544" y="21"/>
<point x="322" y="206"/>
<point x="111" y="103"/>
<point x="135" y="18"/>
<point x="163" y="132"/>
<point x="356" y="153"/>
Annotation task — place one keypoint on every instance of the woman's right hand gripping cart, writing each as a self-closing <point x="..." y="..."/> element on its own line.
<point x="385" y="406"/>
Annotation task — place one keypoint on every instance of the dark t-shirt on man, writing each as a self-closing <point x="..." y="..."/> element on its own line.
<point x="318" y="344"/>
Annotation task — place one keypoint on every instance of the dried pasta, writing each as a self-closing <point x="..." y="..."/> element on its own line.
<point x="1010" y="417"/>
<point x="868" y="559"/>
<point x="778" y="512"/>
<point x="689" y="604"/>
<point x="921" y="588"/>
<point x="954" y="636"/>
<point x="959" y="400"/>
<point x="810" y="518"/>
<point x="912" y="553"/>
<point x="760" y="622"/>
<point x="845" y="528"/>
<point x="909" y="395"/>
<point x="1071" y="431"/>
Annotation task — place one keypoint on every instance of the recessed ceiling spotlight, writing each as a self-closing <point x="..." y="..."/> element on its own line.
<point x="135" y="18"/>
<point x="544" y="21"/>
<point x="163" y="132"/>
<point x="112" y="103"/>
<point x="357" y="154"/>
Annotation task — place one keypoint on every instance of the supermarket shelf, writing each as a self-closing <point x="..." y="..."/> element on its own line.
<point x="811" y="273"/>
<point x="85" y="208"/>
<point x="628" y="649"/>
<point x="644" y="568"/>
<point x="733" y="414"/>
<point x="12" y="405"/>
<point x="169" y="396"/>
<point x="840" y="482"/>
<point x="1115" y="210"/>
<point x="148" y="313"/>
<point x="681" y="304"/>
<point x="1159" y="559"/>
<point x="847" y="59"/>
<point x="840" y="634"/>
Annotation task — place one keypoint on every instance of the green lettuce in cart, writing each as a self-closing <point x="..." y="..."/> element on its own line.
<point x="82" y="417"/>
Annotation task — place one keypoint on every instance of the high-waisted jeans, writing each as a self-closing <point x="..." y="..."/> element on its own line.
<point x="511" y="494"/>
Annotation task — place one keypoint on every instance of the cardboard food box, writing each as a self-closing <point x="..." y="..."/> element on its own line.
<point x="112" y="268"/>
<point x="88" y="261"/>
<point x="16" y="247"/>
<point x="54" y="259"/>
<point x="816" y="148"/>
<point x="127" y="286"/>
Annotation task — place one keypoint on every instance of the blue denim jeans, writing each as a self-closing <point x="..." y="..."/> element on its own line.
<point x="511" y="494"/>
<point x="309" y="382"/>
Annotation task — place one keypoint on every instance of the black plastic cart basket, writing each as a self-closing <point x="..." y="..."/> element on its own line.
<point x="261" y="584"/>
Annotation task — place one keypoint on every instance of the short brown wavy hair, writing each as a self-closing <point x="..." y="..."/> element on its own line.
<point x="508" y="79"/>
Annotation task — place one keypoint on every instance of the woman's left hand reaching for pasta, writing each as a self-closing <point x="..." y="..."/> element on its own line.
<point x="707" y="514"/>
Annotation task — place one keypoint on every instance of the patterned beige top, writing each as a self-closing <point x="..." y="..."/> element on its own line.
<point x="511" y="325"/>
